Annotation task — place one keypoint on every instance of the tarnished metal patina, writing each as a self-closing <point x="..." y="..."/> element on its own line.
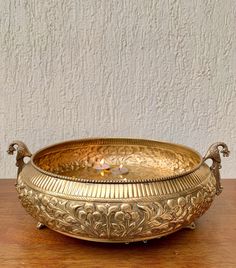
<point x="166" y="188"/>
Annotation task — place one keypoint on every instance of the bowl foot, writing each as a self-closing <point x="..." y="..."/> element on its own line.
<point x="191" y="226"/>
<point x="40" y="225"/>
<point x="144" y="241"/>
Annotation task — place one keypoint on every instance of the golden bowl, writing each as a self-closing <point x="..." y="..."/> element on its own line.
<point x="165" y="187"/>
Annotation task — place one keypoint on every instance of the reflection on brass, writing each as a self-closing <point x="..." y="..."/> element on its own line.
<point x="166" y="188"/>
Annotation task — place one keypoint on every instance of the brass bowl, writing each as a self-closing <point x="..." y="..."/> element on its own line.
<point x="167" y="187"/>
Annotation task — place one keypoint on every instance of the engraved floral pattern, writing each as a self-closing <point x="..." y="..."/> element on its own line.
<point x="168" y="160"/>
<point x="115" y="221"/>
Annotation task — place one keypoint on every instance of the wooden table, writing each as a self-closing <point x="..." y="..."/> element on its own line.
<point x="211" y="244"/>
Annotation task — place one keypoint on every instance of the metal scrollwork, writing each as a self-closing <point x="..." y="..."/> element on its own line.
<point x="117" y="221"/>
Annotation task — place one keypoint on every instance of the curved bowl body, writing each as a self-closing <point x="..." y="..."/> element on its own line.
<point x="108" y="208"/>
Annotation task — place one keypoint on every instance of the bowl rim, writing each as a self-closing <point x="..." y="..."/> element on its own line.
<point x="115" y="181"/>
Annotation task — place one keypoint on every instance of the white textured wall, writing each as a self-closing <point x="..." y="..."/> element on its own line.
<point x="152" y="69"/>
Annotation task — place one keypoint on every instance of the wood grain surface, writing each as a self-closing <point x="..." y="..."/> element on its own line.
<point x="212" y="244"/>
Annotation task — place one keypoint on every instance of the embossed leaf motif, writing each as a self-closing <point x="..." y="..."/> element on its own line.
<point x="181" y="201"/>
<point x="90" y="219"/>
<point x="112" y="209"/>
<point x="171" y="203"/>
<point x="135" y="215"/>
<point x="82" y="215"/>
<point x="97" y="216"/>
<point x="126" y="208"/>
<point x="59" y="213"/>
<point x="119" y="216"/>
<point x="117" y="221"/>
<point x="70" y="219"/>
<point x="166" y="216"/>
<point x="102" y="208"/>
<point x="89" y="207"/>
<point x="126" y="213"/>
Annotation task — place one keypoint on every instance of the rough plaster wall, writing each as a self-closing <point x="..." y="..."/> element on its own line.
<point x="152" y="69"/>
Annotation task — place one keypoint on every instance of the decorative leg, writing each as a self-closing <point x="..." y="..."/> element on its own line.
<point x="191" y="226"/>
<point x="40" y="225"/>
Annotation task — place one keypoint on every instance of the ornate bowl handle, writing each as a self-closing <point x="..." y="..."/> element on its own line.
<point x="22" y="152"/>
<point x="214" y="154"/>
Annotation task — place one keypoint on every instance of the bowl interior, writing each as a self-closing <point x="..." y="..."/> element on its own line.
<point x="144" y="159"/>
